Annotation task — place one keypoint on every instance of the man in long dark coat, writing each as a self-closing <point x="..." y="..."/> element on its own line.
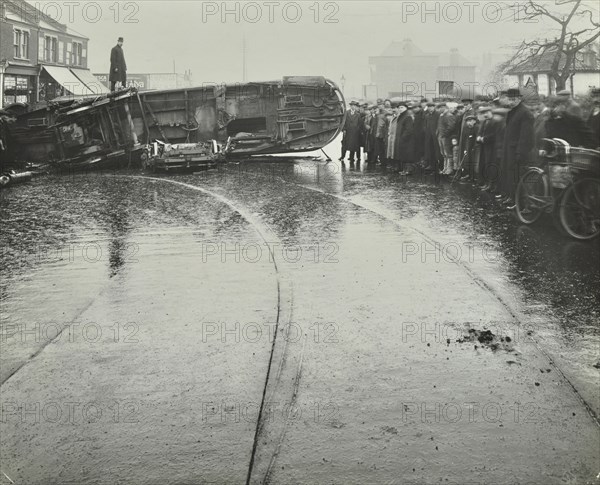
<point x="352" y="129"/>
<point x="404" y="142"/>
<point x="496" y="168"/>
<point x="364" y="115"/>
<point x="381" y="135"/>
<point x="432" y="154"/>
<point x="518" y="141"/>
<point x="118" y="68"/>
<point x="419" y="133"/>
<point x="468" y="111"/>
<point x="469" y="146"/>
<point x="391" y="139"/>
<point x="486" y="137"/>
<point x="371" y="126"/>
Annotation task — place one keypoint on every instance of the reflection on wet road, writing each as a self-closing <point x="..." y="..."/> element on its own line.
<point x="173" y="285"/>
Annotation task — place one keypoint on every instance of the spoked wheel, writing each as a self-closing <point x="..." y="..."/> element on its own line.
<point x="532" y="197"/>
<point x="580" y="209"/>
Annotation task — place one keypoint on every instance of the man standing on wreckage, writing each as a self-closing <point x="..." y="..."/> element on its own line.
<point x="118" y="68"/>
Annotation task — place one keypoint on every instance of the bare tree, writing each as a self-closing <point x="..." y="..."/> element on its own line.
<point x="562" y="51"/>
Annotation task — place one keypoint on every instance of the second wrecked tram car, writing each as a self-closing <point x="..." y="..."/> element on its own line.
<point x="292" y="115"/>
<point x="79" y="132"/>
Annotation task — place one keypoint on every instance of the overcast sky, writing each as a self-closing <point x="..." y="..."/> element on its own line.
<point x="285" y="38"/>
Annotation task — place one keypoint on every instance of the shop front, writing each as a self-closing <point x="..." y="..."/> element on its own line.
<point x="18" y="85"/>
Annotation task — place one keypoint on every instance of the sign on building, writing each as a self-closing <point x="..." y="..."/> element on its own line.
<point x="139" y="81"/>
<point x="530" y="85"/>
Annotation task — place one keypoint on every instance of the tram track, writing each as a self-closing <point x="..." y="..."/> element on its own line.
<point x="286" y="358"/>
<point x="512" y="312"/>
<point x="280" y="354"/>
<point x="279" y="349"/>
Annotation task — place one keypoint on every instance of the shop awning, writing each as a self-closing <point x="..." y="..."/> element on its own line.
<point x="91" y="81"/>
<point x="68" y="80"/>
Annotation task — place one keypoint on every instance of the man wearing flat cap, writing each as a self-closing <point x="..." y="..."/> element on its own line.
<point x="462" y="138"/>
<point x="486" y="138"/>
<point x="571" y="128"/>
<point x="573" y="107"/>
<point x="118" y="68"/>
<point x="469" y="155"/>
<point x="445" y="131"/>
<point x="432" y="147"/>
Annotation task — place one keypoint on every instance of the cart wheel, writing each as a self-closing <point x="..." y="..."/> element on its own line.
<point x="532" y="187"/>
<point x="580" y="209"/>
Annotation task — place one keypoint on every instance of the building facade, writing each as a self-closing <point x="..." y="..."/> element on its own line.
<point x="404" y="70"/>
<point x="534" y="73"/>
<point x="40" y="58"/>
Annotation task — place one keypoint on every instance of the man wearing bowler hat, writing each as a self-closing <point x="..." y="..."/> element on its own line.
<point x="118" y="68"/>
<point x="518" y="142"/>
<point x="352" y="129"/>
<point x="404" y="140"/>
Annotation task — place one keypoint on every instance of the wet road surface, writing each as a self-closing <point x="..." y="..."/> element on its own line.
<point x="291" y="322"/>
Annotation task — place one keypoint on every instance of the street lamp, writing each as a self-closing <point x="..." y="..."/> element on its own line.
<point x="342" y="82"/>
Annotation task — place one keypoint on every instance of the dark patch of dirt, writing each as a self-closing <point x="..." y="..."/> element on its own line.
<point x="486" y="339"/>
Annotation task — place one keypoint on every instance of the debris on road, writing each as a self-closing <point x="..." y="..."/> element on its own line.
<point x="487" y="339"/>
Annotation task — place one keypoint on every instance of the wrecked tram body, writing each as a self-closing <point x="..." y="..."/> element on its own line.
<point x="293" y="115"/>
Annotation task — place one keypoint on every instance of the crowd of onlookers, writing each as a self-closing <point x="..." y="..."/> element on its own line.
<point x="487" y="143"/>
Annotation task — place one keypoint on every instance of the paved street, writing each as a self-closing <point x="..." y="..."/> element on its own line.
<point x="291" y="322"/>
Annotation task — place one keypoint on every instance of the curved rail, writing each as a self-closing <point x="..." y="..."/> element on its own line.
<point x="283" y="318"/>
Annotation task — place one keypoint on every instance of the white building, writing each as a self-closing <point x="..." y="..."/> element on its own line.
<point x="535" y="73"/>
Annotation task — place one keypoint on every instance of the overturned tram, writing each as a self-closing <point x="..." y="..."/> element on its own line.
<point x="295" y="114"/>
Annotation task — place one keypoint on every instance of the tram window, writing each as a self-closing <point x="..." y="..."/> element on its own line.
<point x="247" y="125"/>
